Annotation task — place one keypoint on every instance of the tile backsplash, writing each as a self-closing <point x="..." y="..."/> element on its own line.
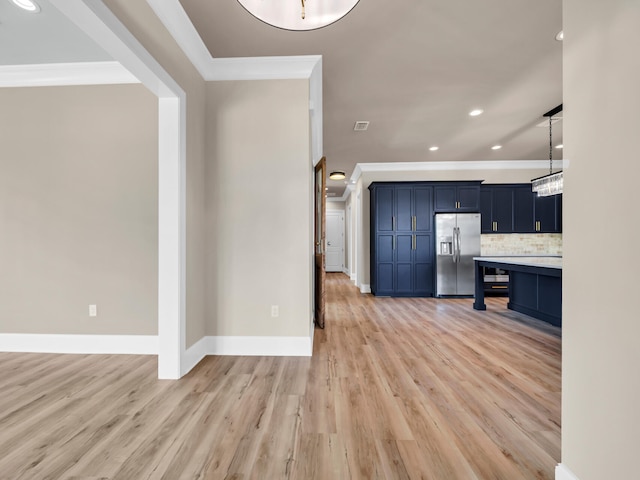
<point x="497" y="244"/>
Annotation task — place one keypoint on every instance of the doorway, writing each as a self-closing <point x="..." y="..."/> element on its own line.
<point x="334" y="261"/>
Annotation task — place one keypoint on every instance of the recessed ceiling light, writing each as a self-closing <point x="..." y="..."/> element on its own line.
<point x="560" y="147"/>
<point x="434" y="148"/>
<point x="476" y="112"/>
<point x="496" y="147"/>
<point x="28" y="5"/>
<point x="560" y="36"/>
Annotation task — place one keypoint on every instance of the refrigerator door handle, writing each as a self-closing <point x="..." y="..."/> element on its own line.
<point x="459" y="243"/>
<point x="455" y="245"/>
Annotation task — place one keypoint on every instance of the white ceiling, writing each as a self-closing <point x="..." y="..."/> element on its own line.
<point x="414" y="69"/>
<point x="44" y="37"/>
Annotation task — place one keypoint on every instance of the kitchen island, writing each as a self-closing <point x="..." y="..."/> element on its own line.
<point x="535" y="285"/>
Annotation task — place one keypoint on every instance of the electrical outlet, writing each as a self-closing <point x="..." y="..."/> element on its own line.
<point x="275" y="310"/>
<point x="93" y="310"/>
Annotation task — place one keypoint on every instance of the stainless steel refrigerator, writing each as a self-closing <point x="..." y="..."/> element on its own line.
<point x="457" y="242"/>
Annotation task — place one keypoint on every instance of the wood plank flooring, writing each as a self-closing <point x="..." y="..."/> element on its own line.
<point x="396" y="389"/>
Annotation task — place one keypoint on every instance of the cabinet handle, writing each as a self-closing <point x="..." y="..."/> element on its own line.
<point x="393" y="242"/>
<point x="413" y="242"/>
<point x="393" y="223"/>
<point x="537" y="225"/>
<point x="413" y="223"/>
<point x="457" y="204"/>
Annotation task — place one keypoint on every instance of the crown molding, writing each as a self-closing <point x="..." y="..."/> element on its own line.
<point x="261" y="68"/>
<point x="58" y="74"/>
<point x="177" y="22"/>
<point x="459" y="166"/>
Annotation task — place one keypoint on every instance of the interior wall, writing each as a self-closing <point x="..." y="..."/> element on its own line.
<point x="141" y="20"/>
<point x="79" y="210"/>
<point x="488" y="176"/>
<point x="601" y="385"/>
<point x="259" y="206"/>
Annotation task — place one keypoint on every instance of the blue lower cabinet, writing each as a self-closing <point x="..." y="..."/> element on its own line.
<point x="537" y="295"/>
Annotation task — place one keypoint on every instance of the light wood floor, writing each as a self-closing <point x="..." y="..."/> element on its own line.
<point x="397" y="388"/>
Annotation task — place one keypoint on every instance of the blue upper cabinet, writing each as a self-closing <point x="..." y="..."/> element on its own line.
<point x="457" y="197"/>
<point x="496" y="208"/>
<point x="514" y="208"/>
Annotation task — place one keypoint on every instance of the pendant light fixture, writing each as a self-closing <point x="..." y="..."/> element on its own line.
<point x="299" y="14"/>
<point x="553" y="183"/>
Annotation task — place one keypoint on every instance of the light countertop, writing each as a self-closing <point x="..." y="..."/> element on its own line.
<point x="533" y="261"/>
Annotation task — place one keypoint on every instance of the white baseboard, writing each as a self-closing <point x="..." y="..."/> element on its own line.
<point x="261" y="346"/>
<point x="352" y="277"/>
<point x="247" y="346"/>
<point x="563" y="473"/>
<point x="365" y="288"/>
<point x="83" y="344"/>
<point x="193" y="355"/>
<point x="345" y="271"/>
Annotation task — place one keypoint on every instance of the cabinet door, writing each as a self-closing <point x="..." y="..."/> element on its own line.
<point x="502" y="210"/>
<point x="384" y="265"/>
<point x="403" y="213"/>
<point x="423" y="209"/>
<point x="468" y="198"/>
<point x="423" y="264"/>
<point x="385" y="208"/>
<point x="523" y="204"/>
<point x="486" y="216"/>
<point x="404" y="264"/>
<point x="444" y="198"/>
<point x="545" y="214"/>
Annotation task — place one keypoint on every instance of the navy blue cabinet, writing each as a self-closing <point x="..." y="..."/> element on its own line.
<point x="496" y="208"/>
<point x="533" y="214"/>
<point x="457" y="197"/>
<point x="514" y="208"/>
<point x="401" y="239"/>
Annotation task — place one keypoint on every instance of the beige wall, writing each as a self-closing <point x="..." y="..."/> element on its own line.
<point x="140" y="19"/>
<point x="259" y="208"/>
<point x="488" y="176"/>
<point x="601" y="327"/>
<point x="78" y="210"/>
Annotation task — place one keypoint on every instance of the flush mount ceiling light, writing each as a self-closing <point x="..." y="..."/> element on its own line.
<point x="496" y="147"/>
<point x="552" y="184"/>
<point x="299" y="15"/>
<point x="337" y="175"/>
<point x="434" y="148"/>
<point x="28" y="5"/>
<point x="475" y="112"/>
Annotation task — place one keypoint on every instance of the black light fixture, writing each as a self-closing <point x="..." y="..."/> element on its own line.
<point x="299" y="15"/>
<point x="553" y="183"/>
<point x="337" y="175"/>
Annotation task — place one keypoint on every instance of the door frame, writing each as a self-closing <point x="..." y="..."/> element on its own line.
<point x="319" y="237"/>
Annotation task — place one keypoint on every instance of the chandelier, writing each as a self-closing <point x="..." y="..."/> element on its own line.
<point x="553" y="183"/>
<point x="299" y="14"/>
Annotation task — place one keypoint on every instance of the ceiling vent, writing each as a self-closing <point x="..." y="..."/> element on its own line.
<point x="361" y="126"/>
